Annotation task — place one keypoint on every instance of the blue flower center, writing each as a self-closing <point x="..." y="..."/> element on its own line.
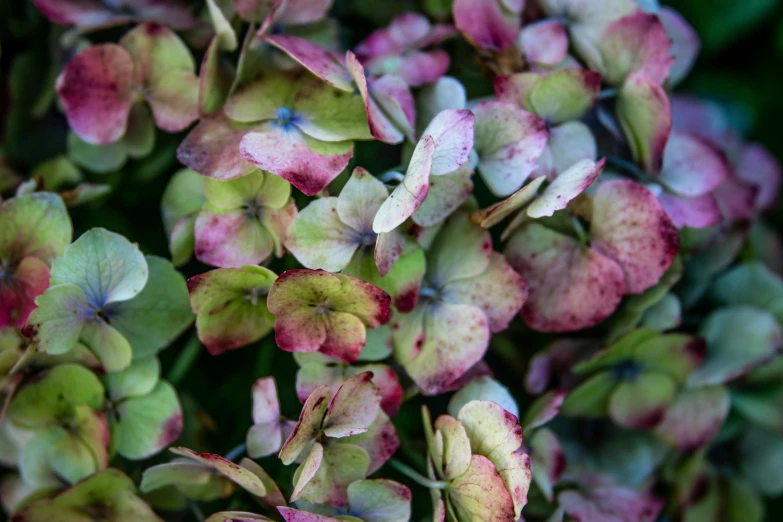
<point x="285" y="117"/>
<point x="627" y="370"/>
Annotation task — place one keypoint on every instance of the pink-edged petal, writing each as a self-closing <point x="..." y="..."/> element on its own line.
<point x="421" y="68"/>
<point x="637" y="43"/>
<point x="496" y="213"/>
<point x="316" y="59"/>
<point x="174" y="100"/>
<point x="547" y="459"/>
<point x="345" y="336"/>
<point x="446" y="194"/>
<point x="387" y="382"/>
<point x="308" y="164"/>
<point x="452" y="132"/>
<point x="692" y="166"/>
<point x="499" y="291"/>
<point x="570" y="287"/>
<point x="266" y="407"/>
<point x="295" y="515"/>
<point x="566" y="186"/>
<point x="408" y="196"/>
<point x="631" y="227"/>
<point x="642" y="402"/>
<point x="353" y="408"/>
<point x="18" y="293"/>
<point x="481" y="494"/>
<point x="308" y="425"/>
<point x="231" y="240"/>
<point x="388" y="249"/>
<point x="319" y="239"/>
<point x="699" y="212"/>
<point x="760" y="168"/>
<point x="455" y="338"/>
<point x="508" y="141"/>
<point x="243" y="477"/>
<point x="608" y="503"/>
<point x="84" y="13"/>
<point x="393" y="96"/>
<point x="381" y="126"/>
<point x="694" y="418"/>
<point x="97" y="89"/>
<point x="544" y="42"/>
<point x="646" y="119"/>
<point x="486" y="24"/>
<point x="212" y="148"/>
<point x="685" y="43"/>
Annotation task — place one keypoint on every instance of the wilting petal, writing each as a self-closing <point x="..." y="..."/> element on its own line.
<point x="408" y="196"/>
<point x="607" y="503"/>
<point x="97" y="88"/>
<point x="566" y="186"/>
<point x="212" y="148"/>
<point x="353" y="408"/>
<point x="243" y="477"/>
<point x="630" y="226"/>
<point x="486" y="24"/>
<point x="570" y="287"/>
<point x="19" y="291"/>
<point x="694" y="418"/>
<point x="394" y="97"/>
<point x="318" y="239"/>
<point x="508" y="142"/>
<point x="306" y="163"/>
<point x="480" y="493"/>
<point x="381" y="127"/>
<point x="446" y="194"/>
<point x="645" y="116"/>
<point x="544" y="42"/>
<point x="637" y="43"/>
<point x="496" y="213"/>
<point x="231" y="240"/>
<point x="308" y="426"/>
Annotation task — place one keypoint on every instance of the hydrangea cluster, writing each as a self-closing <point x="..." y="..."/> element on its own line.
<point x="533" y="286"/>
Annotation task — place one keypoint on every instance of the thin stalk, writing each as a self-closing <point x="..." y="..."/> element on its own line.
<point x="581" y="233"/>
<point x="415" y="476"/>
<point x="627" y="166"/>
<point x="607" y="93"/>
<point x="197" y="513"/>
<point x="392" y="175"/>
<point x="236" y="452"/>
<point x="185" y="361"/>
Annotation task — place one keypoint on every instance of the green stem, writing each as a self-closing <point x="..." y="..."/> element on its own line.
<point x="414" y="475"/>
<point x="581" y="233"/>
<point x="607" y="93"/>
<point x="628" y="167"/>
<point x="185" y="361"/>
<point x="236" y="452"/>
<point x="197" y="513"/>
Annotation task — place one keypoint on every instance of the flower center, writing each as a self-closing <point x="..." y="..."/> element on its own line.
<point x="285" y="116"/>
<point x="627" y="370"/>
<point x="254" y="295"/>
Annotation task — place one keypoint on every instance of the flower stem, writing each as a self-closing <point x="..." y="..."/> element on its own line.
<point x="607" y="93"/>
<point x="414" y="475"/>
<point x="183" y="364"/>
<point x="628" y="167"/>
<point x="581" y="233"/>
<point x="392" y="175"/>
<point x="236" y="452"/>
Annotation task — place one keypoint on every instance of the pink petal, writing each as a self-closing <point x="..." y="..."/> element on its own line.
<point x="571" y="287"/>
<point x="212" y="148"/>
<point x="698" y="212"/>
<point x="388" y="249"/>
<point x="393" y="96"/>
<point x="544" y="42"/>
<point x="685" y="43"/>
<point x="97" y="88"/>
<point x="381" y="127"/>
<point x="485" y="24"/>
<point x="231" y="240"/>
<point x="692" y="166"/>
<point x="18" y="292"/>
<point x="637" y="43"/>
<point x="88" y="14"/>
<point x="298" y="12"/>
<point x="420" y="68"/>
<point x="736" y="199"/>
<point x="630" y="226"/>
<point x="308" y="164"/>
<point x="694" y="418"/>
<point x="316" y="59"/>
<point x="760" y="168"/>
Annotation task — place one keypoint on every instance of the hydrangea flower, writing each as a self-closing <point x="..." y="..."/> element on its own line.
<point x="230" y="306"/>
<point x="489" y="24"/>
<point x="94" y="14"/>
<point x="292" y="126"/>
<point x="336" y="234"/>
<point x="577" y="283"/>
<point x="243" y="220"/>
<point x="479" y="454"/>
<point x="635" y="379"/>
<point x="469" y="291"/>
<point x="105" y="294"/>
<point x="397" y="49"/>
<point x="340" y="438"/>
<point x="100" y="86"/>
<point x="34" y="230"/>
<point x="319" y="311"/>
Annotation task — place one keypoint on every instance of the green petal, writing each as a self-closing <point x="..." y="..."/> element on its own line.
<point x="454" y="446"/>
<point x="329" y="114"/>
<point x="342" y="465"/>
<point x="149" y="423"/>
<point x="461" y="249"/>
<point x="34" y="225"/>
<point x="751" y="284"/>
<point x="380" y="500"/>
<point x="401" y="282"/>
<point x="57" y="323"/>
<point x="761" y="460"/>
<point x="380" y="441"/>
<point x="159" y="314"/>
<point x="360" y="199"/>
<point x="307" y="470"/>
<point x="244" y="478"/>
<point x="676" y="355"/>
<point x="156" y="50"/>
<point x="97" y="158"/>
<point x="645" y="116"/>
<point x="138" y="379"/>
<point x="694" y="418"/>
<point x="105" y="265"/>
<point x="642" y="402"/>
<point x="318" y="238"/>
<point x="109" y="346"/>
<point x="234" y="193"/>
<point x="591" y="398"/>
<point x="260" y="100"/>
<point x="81" y="450"/>
<point x="44" y="401"/>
